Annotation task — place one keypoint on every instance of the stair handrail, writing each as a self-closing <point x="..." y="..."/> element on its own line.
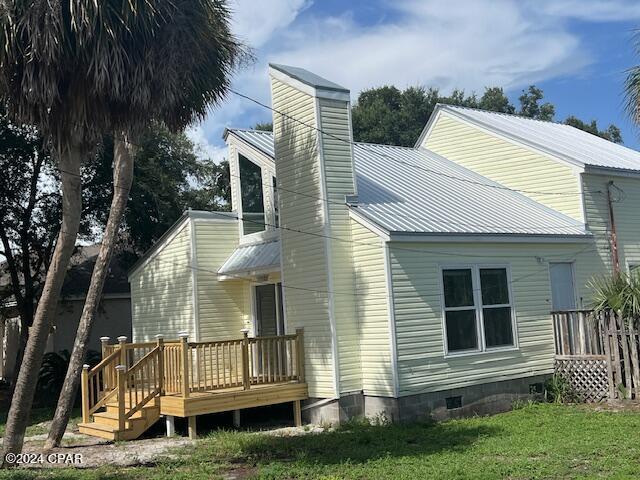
<point x="98" y="384"/>
<point x="148" y="368"/>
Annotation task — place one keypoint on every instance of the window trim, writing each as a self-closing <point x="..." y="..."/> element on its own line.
<point x="478" y="307"/>
<point x="258" y="234"/>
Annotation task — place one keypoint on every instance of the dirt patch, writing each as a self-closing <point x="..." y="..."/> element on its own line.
<point x="83" y="451"/>
<point x="614" y="406"/>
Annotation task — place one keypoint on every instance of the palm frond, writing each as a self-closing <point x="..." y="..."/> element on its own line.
<point x="95" y="66"/>
<point x="632" y="86"/>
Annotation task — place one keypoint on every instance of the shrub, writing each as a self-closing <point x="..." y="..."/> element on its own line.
<point x="52" y="372"/>
<point x="619" y="293"/>
<point x="558" y="390"/>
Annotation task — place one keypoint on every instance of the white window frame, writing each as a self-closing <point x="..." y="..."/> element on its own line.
<point x="265" y="199"/>
<point x="478" y="307"/>
<point x="281" y="323"/>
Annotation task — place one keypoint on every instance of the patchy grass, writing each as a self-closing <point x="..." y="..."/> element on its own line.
<point x="38" y="416"/>
<point x="534" y="442"/>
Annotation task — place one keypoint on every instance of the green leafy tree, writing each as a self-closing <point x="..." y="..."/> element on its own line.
<point x="264" y="126"/>
<point x="611" y="133"/>
<point x="531" y="107"/>
<point x="78" y="70"/>
<point x="390" y="116"/>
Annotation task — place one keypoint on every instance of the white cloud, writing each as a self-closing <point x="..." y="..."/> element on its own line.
<point x="204" y="148"/>
<point x="467" y="44"/>
<point x="591" y="10"/>
<point x="256" y="22"/>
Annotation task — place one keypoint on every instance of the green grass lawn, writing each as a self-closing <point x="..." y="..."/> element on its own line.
<point x="538" y="441"/>
<point x="39" y="415"/>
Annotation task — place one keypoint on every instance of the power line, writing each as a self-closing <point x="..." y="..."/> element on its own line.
<point x="356" y="242"/>
<point x="379" y="154"/>
<point x="356" y="294"/>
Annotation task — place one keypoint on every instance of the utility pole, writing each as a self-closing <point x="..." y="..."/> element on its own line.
<point x="615" y="260"/>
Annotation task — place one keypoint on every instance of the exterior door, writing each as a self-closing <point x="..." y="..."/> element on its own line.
<point x="269" y="311"/>
<point x="563" y="290"/>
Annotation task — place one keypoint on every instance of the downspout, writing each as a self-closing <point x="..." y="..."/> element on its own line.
<point x="613" y="239"/>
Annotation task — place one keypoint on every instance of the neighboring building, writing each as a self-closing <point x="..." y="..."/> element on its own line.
<point x="424" y="277"/>
<point x="114" y="312"/>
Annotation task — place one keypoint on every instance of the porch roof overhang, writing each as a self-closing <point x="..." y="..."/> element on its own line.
<point x="248" y="261"/>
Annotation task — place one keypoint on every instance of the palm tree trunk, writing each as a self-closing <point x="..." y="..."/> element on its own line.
<point x="122" y="179"/>
<point x="70" y="160"/>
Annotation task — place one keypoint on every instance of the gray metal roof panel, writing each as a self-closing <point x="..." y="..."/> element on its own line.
<point x="416" y="191"/>
<point x="255" y="257"/>
<point x="309" y="78"/>
<point x="260" y="139"/>
<point x="573" y="144"/>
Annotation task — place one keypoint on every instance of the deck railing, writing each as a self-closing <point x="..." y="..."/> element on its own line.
<point x="577" y="333"/>
<point x="134" y="373"/>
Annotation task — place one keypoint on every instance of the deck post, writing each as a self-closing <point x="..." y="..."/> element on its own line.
<point x="236" y="418"/>
<point x="245" y="362"/>
<point x="104" y="341"/>
<point x="297" y="413"/>
<point x="84" y="387"/>
<point x="185" y="365"/>
<point x="170" y="423"/>
<point x="122" y="341"/>
<point x="160" y="341"/>
<point x="300" y="359"/>
<point x="121" y="372"/>
<point x="193" y="433"/>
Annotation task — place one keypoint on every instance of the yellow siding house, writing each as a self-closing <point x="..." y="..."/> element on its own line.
<point x="423" y="277"/>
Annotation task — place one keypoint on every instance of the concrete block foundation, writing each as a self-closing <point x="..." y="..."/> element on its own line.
<point x="484" y="399"/>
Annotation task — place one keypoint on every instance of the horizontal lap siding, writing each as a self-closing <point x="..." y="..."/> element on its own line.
<point x="304" y="265"/>
<point x="338" y="175"/>
<point x="422" y="366"/>
<point x="373" y="312"/>
<point x="506" y="163"/>
<point x="626" y="208"/>
<point x="224" y="306"/>
<point x="162" y="292"/>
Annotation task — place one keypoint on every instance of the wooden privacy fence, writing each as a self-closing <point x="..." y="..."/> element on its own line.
<point x="133" y="374"/>
<point x="598" y="354"/>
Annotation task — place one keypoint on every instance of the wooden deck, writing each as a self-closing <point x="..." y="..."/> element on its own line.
<point x="136" y="383"/>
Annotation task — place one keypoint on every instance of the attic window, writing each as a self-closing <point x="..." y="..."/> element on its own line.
<point x="251" y="196"/>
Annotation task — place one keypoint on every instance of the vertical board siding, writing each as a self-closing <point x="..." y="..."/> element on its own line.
<point x="162" y="292"/>
<point x="626" y="213"/>
<point x="422" y="366"/>
<point x="373" y="312"/>
<point x="223" y="306"/>
<point x="339" y="181"/>
<point x="506" y="163"/>
<point x="304" y="266"/>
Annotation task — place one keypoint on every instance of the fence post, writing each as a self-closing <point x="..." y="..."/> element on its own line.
<point x="185" y="364"/>
<point x="84" y="387"/>
<point x="122" y="341"/>
<point x="606" y="344"/>
<point x="121" y="373"/>
<point x="160" y="342"/>
<point x="104" y="341"/>
<point x="245" y="358"/>
<point x="300" y="349"/>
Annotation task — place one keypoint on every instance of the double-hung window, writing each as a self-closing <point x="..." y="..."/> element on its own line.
<point x="478" y="311"/>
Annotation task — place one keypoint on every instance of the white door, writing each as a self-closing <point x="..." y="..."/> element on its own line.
<point x="563" y="291"/>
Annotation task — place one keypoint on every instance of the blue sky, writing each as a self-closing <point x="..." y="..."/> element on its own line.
<point x="577" y="51"/>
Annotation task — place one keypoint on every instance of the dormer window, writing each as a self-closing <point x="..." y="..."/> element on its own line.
<point x="251" y="196"/>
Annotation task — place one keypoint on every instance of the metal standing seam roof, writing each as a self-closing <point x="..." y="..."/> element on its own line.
<point x="574" y="145"/>
<point x="308" y="78"/>
<point x="259" y="139"/>
<point x="409" y="190"/>
<point x="251" y="258"/>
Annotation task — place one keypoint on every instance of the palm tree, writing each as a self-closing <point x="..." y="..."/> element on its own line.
<point x="632" y="86"/>
<point x="80" y="68"/>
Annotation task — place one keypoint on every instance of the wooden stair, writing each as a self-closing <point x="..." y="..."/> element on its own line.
<point x="105" y="423"/>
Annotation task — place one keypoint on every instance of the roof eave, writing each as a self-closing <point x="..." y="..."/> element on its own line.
<point x="399" y="236"/>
